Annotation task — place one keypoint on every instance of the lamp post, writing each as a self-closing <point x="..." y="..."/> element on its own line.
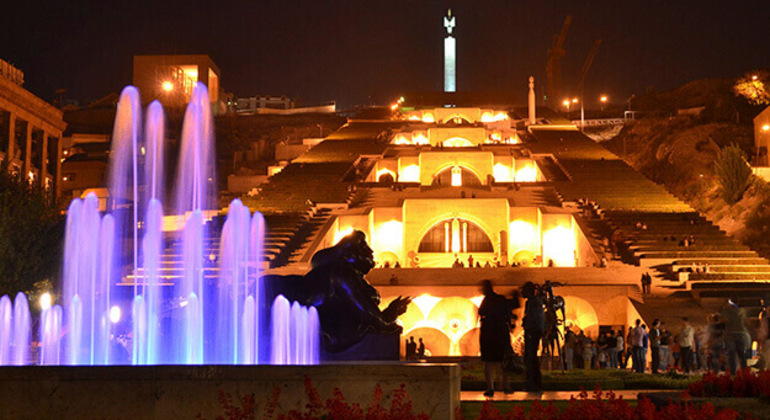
<point x="602" y="101"/>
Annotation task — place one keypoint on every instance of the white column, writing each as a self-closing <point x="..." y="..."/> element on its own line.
<point x="532" y="117"/>
<point x="449" y="64"/>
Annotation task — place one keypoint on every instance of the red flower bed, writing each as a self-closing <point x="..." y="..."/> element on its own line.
<point x="601" y="406"/>
<point x="335" y="408"/>
<point x="745" y="384"/>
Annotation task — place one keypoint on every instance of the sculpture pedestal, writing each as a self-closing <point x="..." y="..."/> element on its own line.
<point x="373" y="347"/>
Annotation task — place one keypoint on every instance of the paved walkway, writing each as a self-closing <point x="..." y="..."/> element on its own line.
<point x="549" y="395"/>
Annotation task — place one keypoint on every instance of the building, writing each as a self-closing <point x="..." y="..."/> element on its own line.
<point x="30" y="131"/>
<point x="171" y="78"/>
<point x="254" y="103"/>
<point x="761" y="166"/>
<point x="436" y="188"/>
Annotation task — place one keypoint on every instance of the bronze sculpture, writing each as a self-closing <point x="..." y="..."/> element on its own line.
<point x="348" y="306"/>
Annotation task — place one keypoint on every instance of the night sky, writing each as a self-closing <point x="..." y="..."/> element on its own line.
<point x="365" y="50"/>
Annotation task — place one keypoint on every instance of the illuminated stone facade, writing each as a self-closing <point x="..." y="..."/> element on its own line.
<point x="444" y="193"/>
<point x="436" y="188"/>
<point x="30" y="132"/>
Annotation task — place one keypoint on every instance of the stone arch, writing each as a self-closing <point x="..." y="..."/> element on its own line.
<point x="456" y="115"/>
<point x="436" y="341"/>
<point x="469" y="343"/>
<point x="430" y="223"/>
<point x="387" y="257"/>
<point x="434" y="240"/>
<point x="386" y="176"/>
<point x="462" y="165"/>
<point x="469" y="177"/>
<point x="457" y="142"/>
<point x="580" y="313"/>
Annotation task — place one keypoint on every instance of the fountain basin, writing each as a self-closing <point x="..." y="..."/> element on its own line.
<point x="183" y="392"/>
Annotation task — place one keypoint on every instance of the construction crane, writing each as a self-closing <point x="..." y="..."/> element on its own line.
<point x="587" y="65"/>
<point x="553" y="67"/>
<point x="583" y="71"/>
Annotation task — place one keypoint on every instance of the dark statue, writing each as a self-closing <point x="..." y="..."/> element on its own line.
<point x="348" y="306"/>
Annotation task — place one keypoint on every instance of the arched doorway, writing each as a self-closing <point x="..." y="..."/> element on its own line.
<point x="457" y="142"/>
<point x="581" y="315"/>
<point x="457" y="119"/>
<point x="455" y="235"/>
<point x="456" y="176"/>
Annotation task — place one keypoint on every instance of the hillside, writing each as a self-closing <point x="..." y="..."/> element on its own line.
<point x="679" y="152"/>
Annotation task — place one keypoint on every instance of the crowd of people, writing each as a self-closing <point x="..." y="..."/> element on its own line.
<point x="719" y="344"/>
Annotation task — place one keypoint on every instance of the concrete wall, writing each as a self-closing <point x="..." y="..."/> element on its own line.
<point x="289" y="151"/>
<point x="185" y="392"/>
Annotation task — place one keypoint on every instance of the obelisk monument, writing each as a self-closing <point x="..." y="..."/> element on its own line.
<point x="449" y="53"/>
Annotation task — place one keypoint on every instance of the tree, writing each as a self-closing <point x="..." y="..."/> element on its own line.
<point x="753" y="87"/>
<point x="733" y="172"/>
<point x="31" y="233"/>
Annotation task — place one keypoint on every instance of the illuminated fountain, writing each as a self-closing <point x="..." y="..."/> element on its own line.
<point x="211" y="312"/>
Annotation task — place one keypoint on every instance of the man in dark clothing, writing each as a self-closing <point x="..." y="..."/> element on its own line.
<point x="495" y="338"/>
<point x="411" y="349"/>
<point x="655" y="335"/>
<point x="534" y="327"/>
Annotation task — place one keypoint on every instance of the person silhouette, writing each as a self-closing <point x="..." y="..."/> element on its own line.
<point x="534" y="328"/>
<point x="494" y="340"/>
<point x="411" y="348"/>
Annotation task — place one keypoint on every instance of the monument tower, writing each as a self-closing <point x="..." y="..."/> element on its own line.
<point x="449" y="53"/>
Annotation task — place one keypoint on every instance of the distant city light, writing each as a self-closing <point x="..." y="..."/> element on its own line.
<point x="167" y="86"/>
<point x="574" y="100"/>
<point x="766" y="127"/>
<point x="754" y="77"/>
<point x="115" y="314"/>
<point x="603" y="98"/>
<point x="45" y="301"/>
<point x="566" y="103"/>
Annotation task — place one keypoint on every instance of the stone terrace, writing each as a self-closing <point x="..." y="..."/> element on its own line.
<point x="290" y="198"/>
<point x="626" y="197"/>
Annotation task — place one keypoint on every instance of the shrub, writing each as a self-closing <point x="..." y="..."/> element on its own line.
<point x="733" y="172"/>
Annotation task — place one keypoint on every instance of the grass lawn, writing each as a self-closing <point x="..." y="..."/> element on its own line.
<point x="608" y="379"/>
<point x="755" y="407"/>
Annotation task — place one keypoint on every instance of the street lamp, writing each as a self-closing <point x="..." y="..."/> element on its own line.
<point x="45" y="301"/>
<point x="566" y="104"/>
<point x="603" y="101"/>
